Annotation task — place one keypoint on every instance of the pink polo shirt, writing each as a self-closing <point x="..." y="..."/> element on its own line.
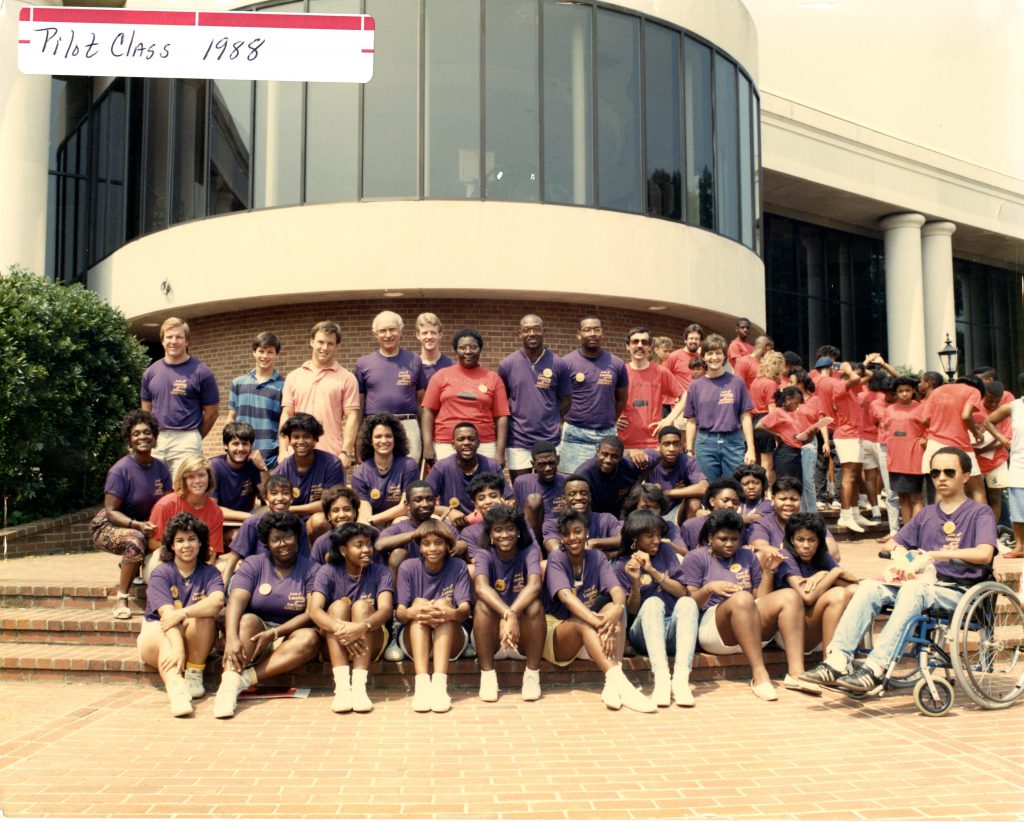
<point x="325" y="393"/>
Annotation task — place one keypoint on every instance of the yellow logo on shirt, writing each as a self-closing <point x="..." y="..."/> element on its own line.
<point x="453" y="502"/>
<point x="266" y="588"/>
<point x="735" y="567"/>
<point x="295" y="492"/>
<point x="948" y="527"/>
<point x="499" y="585"/>
<point x="547" y="372"/>
<point x="374" y="493"/>
<point x="177" y="604"/>
<point x="645" y="579"/>
<point x="580" y="377"/>
<point x="174" y="591"/>
<point x="605" y="377"/>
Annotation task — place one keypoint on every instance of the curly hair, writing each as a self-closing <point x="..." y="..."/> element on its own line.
<point x="364" y="441"/>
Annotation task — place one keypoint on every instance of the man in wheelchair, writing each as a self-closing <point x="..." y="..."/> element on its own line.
<point x="955" y="527"/>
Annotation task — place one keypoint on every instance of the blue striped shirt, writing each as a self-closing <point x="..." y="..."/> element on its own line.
<point x="259" y="404"/>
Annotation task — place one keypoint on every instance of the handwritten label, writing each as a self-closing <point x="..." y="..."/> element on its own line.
<point x="223" y="45"/>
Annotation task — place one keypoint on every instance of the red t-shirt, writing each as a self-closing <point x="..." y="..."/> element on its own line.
<point x="746" y="368"/>
<point x="649" y="389"/>
<point x="871" y="414"/>
<point x="762" y="392"/>
<point x="808" y="413"/>
<point x="943" y="408"/>
<point x="902" y="431"/>
<point x="840" y="404"/>
<point x="998" y="455"/>
<point x="170" y="504"/>
<point x="785" y="425"/>
<point x="456" y="394"/>
<point x="738" y="348"/>
<point x="678" y="362"/>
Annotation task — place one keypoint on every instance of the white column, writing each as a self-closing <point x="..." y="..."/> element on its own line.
<point x="939" y="305"/>
<point x="904" y="295"/>
<point x="25" y="137"/>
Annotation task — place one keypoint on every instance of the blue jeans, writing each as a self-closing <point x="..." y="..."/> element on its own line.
<point x="720" y="454"/>
<point x="808" y="461"/>
<point x="909" y="600"/>
<point x="579" y="445"/>
<point x="652" y="633"/>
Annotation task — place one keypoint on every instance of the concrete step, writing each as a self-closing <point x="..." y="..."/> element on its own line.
<point x="66" y="595"/>
<point x="68" y="626"/>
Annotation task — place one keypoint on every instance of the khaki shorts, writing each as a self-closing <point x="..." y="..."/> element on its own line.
<point x="933" y="446"/>
<point x="549" y="644"/>
<point x="870" y="454"/>
<point x="711" y="641"/>
<point x="847" y="450"/>
<point x="998" y="477"/>
<point x="518" y="459"/>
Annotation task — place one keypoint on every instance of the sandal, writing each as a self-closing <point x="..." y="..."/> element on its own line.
<point x="121" y="608"/>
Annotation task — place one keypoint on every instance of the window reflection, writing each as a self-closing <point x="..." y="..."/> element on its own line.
<point x="230" y="116"/>
<point x="700" y="182"/>
<point x="662" y="122"/>
<point x="189" y="150"/>
<point x="726" y="148"/>
<point x="618" y="112"/>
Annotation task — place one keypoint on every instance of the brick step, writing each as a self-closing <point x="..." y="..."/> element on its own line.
<point x="68" y="626"/>
<point x="111" y="664"/>
<point x="67" y="595"/>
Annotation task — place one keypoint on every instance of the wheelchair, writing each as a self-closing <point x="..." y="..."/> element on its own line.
<point x="981" y="643"/>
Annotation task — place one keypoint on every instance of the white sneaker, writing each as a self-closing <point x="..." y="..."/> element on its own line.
<point x="531" y="685"/>
<point x="634" y="700"/>
<point x="178" y="696"/>
<point x="864" y="521"/>
<point x="194" y="680"/>
<point x="851" y="523"/>
<point x="862" y="501"/>
<point x="489" y="686"/>
<point x="224" y="703"/>
<point x="394" y="653"/>
<point x="662" y="694"/>
<point x="421" y="698"/>
<point x="836" y="505"/>
<point x="440" y="702"/>
<point x="361" y="703"/>
<point x="681" y="692"/>
<point x="794" y="684"/>
<point x="610" y="696"/>
<point x="342" y="702"/>
<point x="765" y="691"/>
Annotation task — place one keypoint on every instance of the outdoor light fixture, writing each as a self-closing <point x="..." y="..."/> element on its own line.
<point x="949" y="356"/>
<point x="165" y="288"/>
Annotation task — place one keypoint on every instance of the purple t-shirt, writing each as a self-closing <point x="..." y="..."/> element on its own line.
<point x="179" y="392"/>
<point x="235" y="489"/>
<point x="415" y="582"/>
<point x="594" y="382"/>
<point x="664" y="562"/>
<point x="552" y="494"/>
<point x="335" y="583"/>
<point x="969" y="525"/>
<point x="383" y="492"/>
<point x="471" y="535"/>
<point x="442" y="362"/>
<point x="137" y="486"/>
<point x="508" y="577"/>
<point x="686" y="471"/>
<point x="768" y="528"/>
<point x="607" y="492"/>
<point x="322" y="544"/>
<point x="792" y="567"/>
<point x="246" y="541"/>
<point x="533" y="392"/>
<point x="168" y="587"/>
<point x="762" y="506"/>
<point x="601" y="526"/>
<point x="701" y="567"/>
<point x="690" y="532"/>
<point x="450" y="482"/>
<point x="597" y="578"/>
<point x="390" y="383"/>
<point x="717" y="402"/>
<point x="274" y="599"/>
<point x="325" y="472"/>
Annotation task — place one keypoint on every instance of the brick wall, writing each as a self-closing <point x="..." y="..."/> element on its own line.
<point x="223" y="341"/>
<point x="69" y="532"/>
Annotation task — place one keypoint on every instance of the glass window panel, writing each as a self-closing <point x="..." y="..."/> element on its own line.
<point x="700" y="183"/>
<point x="452" y="100"/>
<point x="391" y="102"/>
<point x="726" y="148"/>
<point x="157" y="140"/>
<point x="662" y="122"/>
<point x="746" y="166"/>
<point x="53" y="228"/>
<point x="114" y="234"/>
<point x="568" y="104"/>
<point x="230" y="145"/>
<point x="189" y="190"/>
<point x="755" y="121"/>
<point x="619" y="164"/>
<point x="780" y="260"/>
<point x="100" y="124"/>
<point x="277" y="151"/>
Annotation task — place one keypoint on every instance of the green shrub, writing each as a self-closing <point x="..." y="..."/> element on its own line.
<point x="69" y="371"/>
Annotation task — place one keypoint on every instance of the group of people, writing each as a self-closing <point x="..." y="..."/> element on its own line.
<point x="368" y="515"/>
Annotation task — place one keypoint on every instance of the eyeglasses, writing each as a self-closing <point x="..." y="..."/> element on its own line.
<point x="639" y="342"/>
<point x="948" y="473"/>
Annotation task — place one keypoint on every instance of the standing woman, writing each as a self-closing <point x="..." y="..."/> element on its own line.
<point x="193" y="486"/>
<point x="465" y="392"/>
<point x="267" y="627"/>
<point x="384" y="471"/>
<point x="762" y="394"/>
<point x="183" y="598"/>
<point x="134" y="484"/>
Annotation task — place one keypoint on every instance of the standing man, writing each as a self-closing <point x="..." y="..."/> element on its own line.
<point x="948" y="414"/>
<point x="539" y="393"/>
<point x="600" y="386"/>
<point x="182" y="393"/>
<point x="450" y="476"/>
<point x="650" y="386"/>
<point x="256" y="397"/>
<point x="428" y="332"/>
<point x="321" y="387"/>
<point x="391" y="379"/>
<point x="678" y="361"/>
<point x="739" y="347"/>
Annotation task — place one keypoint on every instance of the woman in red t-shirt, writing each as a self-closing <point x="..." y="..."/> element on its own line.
<point x="762" y="394"/>
<point x="904" y="435"/>
<point x="792" y="430"/>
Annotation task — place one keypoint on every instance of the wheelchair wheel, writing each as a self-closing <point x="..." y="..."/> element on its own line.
<point x="987" y="632"/>
<point x="928" y="704"/>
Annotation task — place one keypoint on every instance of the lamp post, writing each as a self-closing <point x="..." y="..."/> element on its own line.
<point x="949" y="356"/>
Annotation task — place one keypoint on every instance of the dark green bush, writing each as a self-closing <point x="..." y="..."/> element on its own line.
<point x="69" y="371"/>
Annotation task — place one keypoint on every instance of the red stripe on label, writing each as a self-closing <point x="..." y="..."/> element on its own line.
<point x="115" y="16"/>
<point x="365" y="51"/>
<point x="257" y="20"/>
<point x="24" y="41"/>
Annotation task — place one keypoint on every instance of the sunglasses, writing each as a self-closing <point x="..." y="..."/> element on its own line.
<point x="948" y="473"/>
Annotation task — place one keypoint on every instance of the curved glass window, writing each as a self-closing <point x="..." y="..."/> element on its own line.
<point x="577" y="103"/>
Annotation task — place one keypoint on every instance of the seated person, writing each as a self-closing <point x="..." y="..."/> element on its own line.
<point x="539" y="494"/>
<point x="576" y="578"/>
<point x="754" y="505"/>
<point x="769" y="532"/>
<point x="193" y="489"/>
<point x="724" y="492"/>
<point x="679" y="475"/>
<point x="602" y="529"/>
<point x="739" y="609"/>
<point x="662" y="615"/>
<point x="485" y="490"/>
<point x="238" y="474"/>
<point x="397" y="542"/>
<point x="309" y="470"/>
<point x="433" y="604"/>
<point x="508" y="620"/>
<point x="267" y="627"/>
<point x="611" y="473"/>
<point x="341" y="505"/>
<point x="954" y="527"/>
<point x="386" y="469"/>
<point x="649" y="496"/>
<point x="351" y="602"/>
<point x="183" y="599"/>
<point x="450" y="476"/>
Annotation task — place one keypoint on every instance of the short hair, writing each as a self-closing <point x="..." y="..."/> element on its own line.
<point x="669" y="429"/>
<point x="542" y="447"/>
<point x="577" y="478"/>
<point x="827" y="350"/>
<point x="663" y="342"/>
<point x="341" y="536"/>
<point x="784" y="394"/>
<point x="419" y="483"/>
<point x="787" y="484"/>
<point x="467" y="332"/>
<point x="994" y="388"/>
<point x="586" y="317"/>
<point x="336" y="492"/>
<point x="175" y="322"/>
<point x="724" y="519"/>
<point x="792" y="358"/>
<point x="465" y="424"/>
<point x="649" y="491"/>
<point x="397" y="316"/>
<point x="965" y="461"/>
<point x="303" y="422"/>
<point x="693" y="328"/>
<point x="933" y="377"/>
<point x="610" y="439"/>
<point x="190" y="465"/>
<point x="899" y="382"/>
<point x="753" y="470"/>
<point x="236" y="429"/>
<point x="772" y="365"/>
<point x="715" y="487"/>
<point x="803" y="521"/>
<point x="984" y="371"/>
<point x="569" y="517"/>
<point x="974" y="382"/>
<point x="364" y="440"/>
<point x="137" y="416"/>
<point x="742" y="320"/>
<point x="326" y="327"/>
<point x="714" y="342"/>
<point x="185" y="522"/>
<point x="267" y="339"/>
<point x="434" y="527"/>
<point x="803" y="379"/>
<point x="280" y="521"/>
<point x="505" y="514"/>
<point x="428" y="318"/>
<point x="640" y="522"/>
<point x="485" y="481"/>
<point x="640" y="329"/>
<point x="698" y="362"/>
<point x="275" y="481"/>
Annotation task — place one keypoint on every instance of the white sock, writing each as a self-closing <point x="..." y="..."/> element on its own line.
<point x="422" y="681"/>
<point x="837" y="661"/>
<point x="340" y="674"/>
<point x="873" y="667"/>
<point x="875" y="512"/>
<point x="249" y="676"/>
<point x="845" y="513"/>
<point x="360" y="677"/>
<point x="440" y="681"/>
